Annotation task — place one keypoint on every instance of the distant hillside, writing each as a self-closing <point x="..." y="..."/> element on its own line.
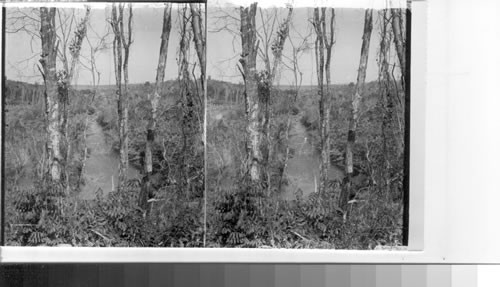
<point x="17" y="91"/>
<point x="134" y="86"/>
<point x="227" y="92"/>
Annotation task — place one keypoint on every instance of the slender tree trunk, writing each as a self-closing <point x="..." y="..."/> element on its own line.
<point x="200" y="46"/>
<point x="277" y="50"/>
<point x="124" y="120"/>
<point x="354" y="117"/>
<point x="48" y="61"/>
<point x="64" y="87"/>
<point x="116" y="18"/>
<point x="121" y="65"/>
<point x="199" y="40"/>
<point x="319" y="45"/>
<point x="279" y="43"/>
<point x="187" y="100"/>
<point x="258" y="93"/>
<point x="399" y="41"/>
<point x="150" y="137"/>
<point x="387" y="104"/>
<point x="253" y="105"/>
<point x="323" y="42"/>
<point x="122" y="41"/>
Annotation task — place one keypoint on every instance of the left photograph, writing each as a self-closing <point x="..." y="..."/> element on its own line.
<point x="103" y="125"/>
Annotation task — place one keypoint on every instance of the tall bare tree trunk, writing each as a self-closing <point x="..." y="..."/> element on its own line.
<point x="387" y="104"/>
<point x="354" y="117"/>
<point x="64" y="87"/>
<point x="160" y="76"/>
<point x="258" y="87"/>
<point x="188" y="103"/>
<point x="48" y="61"/>
<point x="116" y="19"/>
<point x="322" y="43"/>
<point x="198" y="31"/>
<point x="319" y="45"/>
<point x="200" y="46"/>
<point x="253" y="105"/>
<point x="124" y="119"/>
<point x="121" y="65"/>
<point x="277" y="50"/>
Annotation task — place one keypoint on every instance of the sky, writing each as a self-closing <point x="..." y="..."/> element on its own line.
<point x="223" y="56"/>
<point x="223" y="46"/>
<point x="22" y="54"/>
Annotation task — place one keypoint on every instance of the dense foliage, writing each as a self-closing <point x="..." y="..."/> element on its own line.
<point x="248" y="216"/>
<point x="240" y="215"/>
<point x="43" y="213"/>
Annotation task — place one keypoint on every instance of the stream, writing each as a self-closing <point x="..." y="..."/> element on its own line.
<point x="303" y="165"/>
<point x="101" y="168"/>
<point x="302" y="170"/>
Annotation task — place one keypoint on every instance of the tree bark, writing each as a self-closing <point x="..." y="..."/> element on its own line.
<point x="253" y="105"/>
<point x="124" y="119"/>
<point x="354" y="117"/>
<point x="279" y="43"/>
<point x="64" y="87"/>
<point x="199" y="39"/>
<point x="257" y="93"/>
<point x="188" y="103"/>
<point x="387" y="104"/>
<point x="150" y="136"/>
<point x="322" y="43"/>
<point x="277" y="50"/>
<point x="121" y="42"/>
<point x="48" y="61"/>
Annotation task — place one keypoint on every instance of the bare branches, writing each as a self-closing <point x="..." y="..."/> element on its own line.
<point x="24" y="20"/>
<point x="66" y="26"/>
<point x="266" y="37"/>
<point x="225" y="21"/>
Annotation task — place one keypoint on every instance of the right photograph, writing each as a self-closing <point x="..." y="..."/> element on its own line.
<point x="308" y="127"/>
